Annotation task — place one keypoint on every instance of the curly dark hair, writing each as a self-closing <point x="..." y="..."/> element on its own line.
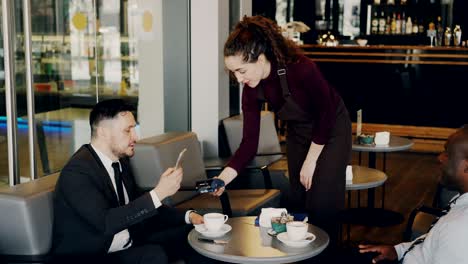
<point x="255" y="35"/>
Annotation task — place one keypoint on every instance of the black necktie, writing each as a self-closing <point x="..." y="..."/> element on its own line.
<point x="421" y="239"/>
<point x="118" y="183"/>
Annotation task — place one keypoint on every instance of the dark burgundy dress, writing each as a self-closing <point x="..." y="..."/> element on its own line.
<point x="314" y="112"/>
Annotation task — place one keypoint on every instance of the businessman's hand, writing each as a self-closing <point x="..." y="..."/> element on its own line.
<point x="385" y="252"/>
<point x="169" y="183"/>
<point x="195" y="218"/>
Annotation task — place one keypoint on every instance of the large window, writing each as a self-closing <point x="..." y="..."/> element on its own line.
<point x="83" y="51"/>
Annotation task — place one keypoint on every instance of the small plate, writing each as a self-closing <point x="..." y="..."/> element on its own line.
<point x="213" y="234"/>
<point x="283" y="237"/>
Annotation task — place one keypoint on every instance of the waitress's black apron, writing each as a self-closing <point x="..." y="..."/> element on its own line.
<point x="325" y="199"/>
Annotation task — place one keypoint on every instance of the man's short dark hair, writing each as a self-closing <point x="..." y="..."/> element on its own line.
<point x="107" y="109"/>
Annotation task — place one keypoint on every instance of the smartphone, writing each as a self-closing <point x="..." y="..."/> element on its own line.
<point x="180" y="159"/>
<point x="209" y="185"/>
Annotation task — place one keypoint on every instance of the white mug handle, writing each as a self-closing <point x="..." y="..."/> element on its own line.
<point x="226" y="218"/>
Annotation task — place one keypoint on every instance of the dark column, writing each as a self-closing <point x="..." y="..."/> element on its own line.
<point x="459" y="16"/>
<point x="304" y="10"/>
<point x="266" y="8"/>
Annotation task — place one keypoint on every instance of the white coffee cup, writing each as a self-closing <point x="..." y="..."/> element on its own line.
<point x="214" y="221"/>
<point x="296" y="230"/>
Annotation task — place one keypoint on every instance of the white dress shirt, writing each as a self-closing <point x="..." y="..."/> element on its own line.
<point x="446" y="242"/>
<point x="122" y="240"/>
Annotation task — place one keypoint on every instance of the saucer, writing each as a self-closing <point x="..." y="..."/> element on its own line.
<point x="212" y="234"/>
<point x="283" y="237"/>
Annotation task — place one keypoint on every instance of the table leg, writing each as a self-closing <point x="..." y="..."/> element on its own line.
<point x="358" y="198"/>
<point x="349" y="199"/>
<point x="371" y="191"/>
<point x="383" y="196"/>
<point x="41" y="141"/>
<point x="372" y="160"/>
<point x="226" y="204"/>
<point x="371" y="198"/>
<point x="384" y="162"/>
<point x="267" y="177"/>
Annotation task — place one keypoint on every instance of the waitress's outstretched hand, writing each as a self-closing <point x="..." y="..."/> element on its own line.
<point x="307" y="173"/>
<point x="219" y="191"/>
<point x="227" y="175"/>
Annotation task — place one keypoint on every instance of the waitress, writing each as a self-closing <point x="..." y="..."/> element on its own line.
<point x="273" y="69"/>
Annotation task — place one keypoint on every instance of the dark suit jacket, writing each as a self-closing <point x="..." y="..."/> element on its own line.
<point x="86" y="210"/>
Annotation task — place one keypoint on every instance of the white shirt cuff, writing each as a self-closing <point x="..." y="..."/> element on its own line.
<point x="157" y="203"/>
<point x="187" y="216"/>
<point x="401" y="249"/>
<point x="120" y="241"/>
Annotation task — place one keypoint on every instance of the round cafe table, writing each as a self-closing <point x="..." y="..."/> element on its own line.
<point x="365" y="178"/>
<point x="248" y="243"/>
<point x="371" y="215"/>
<point x="396" y="144"/>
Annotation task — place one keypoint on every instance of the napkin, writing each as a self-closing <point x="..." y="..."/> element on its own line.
<point x="382" y="138"/>
<point x="349" y="173"/>
<point x="268" y="213"/>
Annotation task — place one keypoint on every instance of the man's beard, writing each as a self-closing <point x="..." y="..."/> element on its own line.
<point x="449" y="181"/>
<point x="122" y="154"/>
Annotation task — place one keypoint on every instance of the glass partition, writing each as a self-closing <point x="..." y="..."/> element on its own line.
<point x="83" y="51"/>
<point x="4" y="180"/>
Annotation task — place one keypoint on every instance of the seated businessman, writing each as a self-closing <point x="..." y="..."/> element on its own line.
<point x="99" y="213"/>
<point x="447" y="239"/>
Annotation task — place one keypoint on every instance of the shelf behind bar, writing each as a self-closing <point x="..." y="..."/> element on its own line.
<point x="387" y="47"/>
<point x="388" y="54"/>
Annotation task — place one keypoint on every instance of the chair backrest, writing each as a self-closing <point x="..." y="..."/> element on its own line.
<point x="154" y="155"/>
<point x="268" y="141"/>
<point x="27" y="217"/>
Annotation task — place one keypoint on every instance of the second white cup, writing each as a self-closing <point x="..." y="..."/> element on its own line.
<point x="296" y="230"/>
<point x="214" y="221"/>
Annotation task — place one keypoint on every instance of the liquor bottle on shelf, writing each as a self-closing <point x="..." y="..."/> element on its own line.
<point x="382" y="23"/>
<point x="440" y="32"/>
<point x="421" y="27"/>
<point x="431" y="33"/>
<point x="393" y="25"/>
<point x="409" y="26"/>
<point x="403" y="24"/>
<point x="415" y="26"/>
<point x="447" y="36"/>
<point x="375" y="24"/>
<point x="388" y="25"/>
<point x="398" y="24"/>
<point x="457" y="33"/>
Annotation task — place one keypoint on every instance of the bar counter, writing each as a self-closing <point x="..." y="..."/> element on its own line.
<point x="414" y="89"/>
<point x="389" y="54"/>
